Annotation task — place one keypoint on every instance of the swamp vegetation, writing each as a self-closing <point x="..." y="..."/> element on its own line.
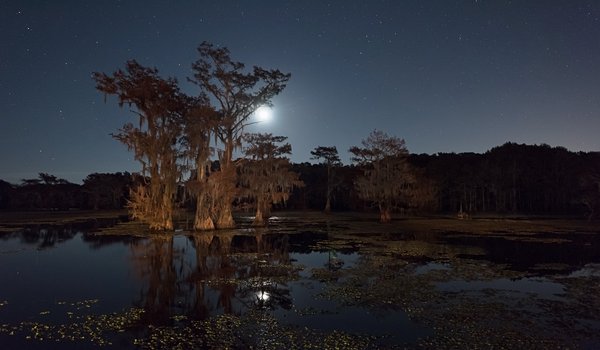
<point x="308" y="280"/>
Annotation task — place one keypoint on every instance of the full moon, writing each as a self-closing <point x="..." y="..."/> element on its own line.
<point x="264" y="114"/>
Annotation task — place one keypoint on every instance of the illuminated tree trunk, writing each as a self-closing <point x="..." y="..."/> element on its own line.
<point x="153" y="202"/>
<point x="227" y="187"/>
<point x="263" y="211"/>
<point x="159" y="211"/>
<point x="198" y="127"/>
<point x="225" y="197"/>
<point x="225" y="214"/>
<point x="202" y="219"/>
<point x="259" y="219"/>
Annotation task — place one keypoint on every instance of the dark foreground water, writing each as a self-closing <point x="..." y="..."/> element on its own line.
<point x="302" y="283"/>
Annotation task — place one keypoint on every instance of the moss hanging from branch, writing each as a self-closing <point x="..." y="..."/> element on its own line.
<point x="159" y="105"/>
<point x="265" y="176"/>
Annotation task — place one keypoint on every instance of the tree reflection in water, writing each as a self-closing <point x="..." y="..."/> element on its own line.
<point x="205" y="274"/>
<point x="154" y="261"/>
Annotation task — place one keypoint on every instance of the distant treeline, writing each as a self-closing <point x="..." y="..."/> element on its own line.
<point x="512" y="178"/>
<point x="515" y="178"/>
<point x="98" y="192"/>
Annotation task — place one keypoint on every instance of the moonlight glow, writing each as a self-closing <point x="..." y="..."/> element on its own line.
<point x="264" y="114"/>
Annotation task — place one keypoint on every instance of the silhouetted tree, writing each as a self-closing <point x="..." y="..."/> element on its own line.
<point x="331" y="160"/>
<point x="30" y="194"/>
<point x="45" y="179"/>
<point x="48" y="179"/>
<point x="265" y="175"/>
<point x="237" y="95"/>
<point x="310" y="195"/>
<point x="6" y="194"/>
<point x="107" y="191"/>
<point x="154" y="140"/>
<point x="47" y="192"/>
<point x="30" y="182"/>
<point x="387" y="178"/>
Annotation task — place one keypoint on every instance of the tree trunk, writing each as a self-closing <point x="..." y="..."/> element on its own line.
<point x="224" y="198"/>
<point x="259" y="219"/>
<point x="204" y="224"/>
<point x="202" y="220"/>
<point x="225" y="215"/>
<point x="225" y="218"/>
<point x="328" y="206"/>
<point x="167" y="211"/>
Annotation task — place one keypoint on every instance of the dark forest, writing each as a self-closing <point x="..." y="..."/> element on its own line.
<point x="509" y="179"/>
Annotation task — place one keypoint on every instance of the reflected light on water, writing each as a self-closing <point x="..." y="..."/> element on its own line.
<point x="262" y="296"/>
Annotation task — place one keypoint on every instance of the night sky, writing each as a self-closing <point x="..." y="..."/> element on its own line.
<point x="447" y="76"/>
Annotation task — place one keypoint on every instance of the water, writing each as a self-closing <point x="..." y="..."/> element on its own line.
<point x="525" y="287"/>
<point x="365" y="291"/>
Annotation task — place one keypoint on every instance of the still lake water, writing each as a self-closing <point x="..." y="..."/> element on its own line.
<point x="296" y="284"/>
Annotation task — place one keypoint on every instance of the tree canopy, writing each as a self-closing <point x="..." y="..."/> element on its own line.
<point x="265" y="175"/>
<point x="174" y="132"/>
<point x="236" y="94"/>
<point x="160" y="107"/>
<point x="387" y="177"/>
